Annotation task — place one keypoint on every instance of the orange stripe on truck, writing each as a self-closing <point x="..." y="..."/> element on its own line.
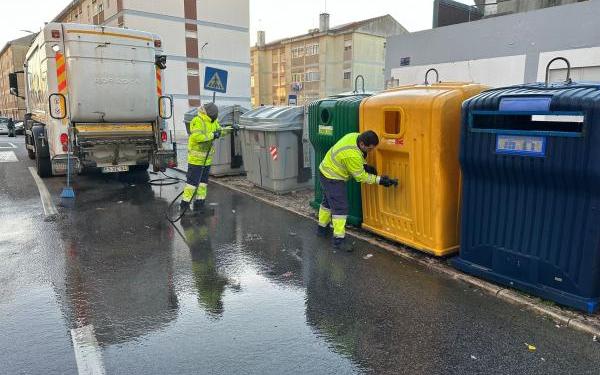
<point x="61" y="73"/>
<point x="158" y="82"/>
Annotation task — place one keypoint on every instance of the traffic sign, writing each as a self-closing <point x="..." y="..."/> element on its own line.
<point x="215" y="79"/>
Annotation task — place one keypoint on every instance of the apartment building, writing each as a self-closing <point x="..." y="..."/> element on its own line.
<point x="194" y="33"/>
<point x="12" y="57"/>
<point x="322" y="62"/>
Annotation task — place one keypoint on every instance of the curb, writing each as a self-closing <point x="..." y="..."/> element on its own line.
<point x="567" y="318"/>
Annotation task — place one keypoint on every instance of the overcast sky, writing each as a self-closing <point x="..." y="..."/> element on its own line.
<point x="279" y="18"/>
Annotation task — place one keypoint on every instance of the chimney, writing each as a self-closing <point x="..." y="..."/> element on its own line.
<point x="324" y="22"/>
<point x="260" y="38"/>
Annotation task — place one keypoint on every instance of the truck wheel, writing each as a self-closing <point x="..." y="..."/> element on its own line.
<point x="42" y="152"/>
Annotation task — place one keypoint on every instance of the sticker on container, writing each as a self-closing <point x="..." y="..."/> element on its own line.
<point x="521" y="145"/>
<point x="395" y="141"/>
<point x="325" y="130"/>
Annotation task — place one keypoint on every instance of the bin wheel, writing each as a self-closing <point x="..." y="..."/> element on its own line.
<point x="31" y="154"/>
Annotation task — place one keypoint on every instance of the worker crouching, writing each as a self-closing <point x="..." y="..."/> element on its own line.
<point x="204" y="129"/>
<point x="344" y="161"/>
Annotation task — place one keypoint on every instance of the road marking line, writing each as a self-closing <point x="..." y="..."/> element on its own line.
<point x="49" y="208"/>
<point x="87" y="351"/>
<point x="8" y="157"/>
<point x="12" y="145"/>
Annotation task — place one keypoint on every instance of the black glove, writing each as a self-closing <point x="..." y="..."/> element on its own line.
<point x="217" y="134"/>
<point x="385" y="181"/>
<point x="370" y="169"/>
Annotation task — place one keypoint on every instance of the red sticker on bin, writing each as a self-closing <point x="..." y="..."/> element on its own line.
<point x="396" y="141"/>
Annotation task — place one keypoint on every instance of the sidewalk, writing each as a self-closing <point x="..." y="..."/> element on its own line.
<point x="298" y="202"/>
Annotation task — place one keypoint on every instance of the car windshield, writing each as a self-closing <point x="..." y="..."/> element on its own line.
<point x="3" y="121"/>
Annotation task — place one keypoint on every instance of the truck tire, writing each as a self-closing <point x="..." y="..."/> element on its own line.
<point x="42" y="152"/>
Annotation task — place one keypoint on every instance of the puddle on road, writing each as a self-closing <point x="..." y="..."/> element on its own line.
<point x="250" y="289"/>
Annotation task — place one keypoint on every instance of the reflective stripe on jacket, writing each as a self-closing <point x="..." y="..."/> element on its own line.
<point x="345" y="161"/>
<point x="200" y="140"/>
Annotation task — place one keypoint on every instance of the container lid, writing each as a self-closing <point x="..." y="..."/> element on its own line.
<point x="270" y="118"/>
<point x="227" y="114"/>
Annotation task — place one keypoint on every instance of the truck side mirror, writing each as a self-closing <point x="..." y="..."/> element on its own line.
<point x="57" y="104"/>
<point x="165" y="107"/>
<point x="13" y="83"/>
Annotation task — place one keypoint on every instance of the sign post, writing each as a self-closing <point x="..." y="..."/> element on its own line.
<point x="215" y="80"/>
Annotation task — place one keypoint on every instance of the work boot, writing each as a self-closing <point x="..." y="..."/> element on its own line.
<point x="323" y="231"/>
<point x="199" y="206"/>
<point x="184" y="206"/>
<point x="340" y="243"/>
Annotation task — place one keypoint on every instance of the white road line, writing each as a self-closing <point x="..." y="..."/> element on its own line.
<point x="49" y="208"/>
<point x="8" y="157"/>
<point x="12" y="145"/>
<point x="87" y="351"/>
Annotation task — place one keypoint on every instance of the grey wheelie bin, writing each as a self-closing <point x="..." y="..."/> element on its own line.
<point x="276" y="155"/>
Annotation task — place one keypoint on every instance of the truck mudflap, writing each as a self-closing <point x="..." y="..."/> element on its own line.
<point x="164" y="159"/>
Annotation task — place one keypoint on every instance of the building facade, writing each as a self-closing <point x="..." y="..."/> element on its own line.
<point x="500" y="51"/>
<point x="194" y="33"/>
<point x="12" y="57"/>
<point x="323" y="62"/>
<point x="493" y="8"/>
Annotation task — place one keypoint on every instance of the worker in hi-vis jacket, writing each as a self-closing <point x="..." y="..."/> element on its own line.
<point x="204" y="129"/>
<point x="344" y="161"/>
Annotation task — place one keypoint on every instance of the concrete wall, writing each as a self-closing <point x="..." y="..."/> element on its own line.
<point x="368" y="60"/>
<point x="501" y="51"/>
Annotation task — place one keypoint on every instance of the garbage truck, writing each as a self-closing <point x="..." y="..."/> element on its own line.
<point x="94" y="93"/>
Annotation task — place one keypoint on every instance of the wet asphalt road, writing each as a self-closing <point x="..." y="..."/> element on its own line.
<point x="111" y="285"/>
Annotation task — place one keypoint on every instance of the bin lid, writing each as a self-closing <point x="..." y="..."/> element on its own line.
<point x="227" y="114"/>
<point x="271" y="118"/>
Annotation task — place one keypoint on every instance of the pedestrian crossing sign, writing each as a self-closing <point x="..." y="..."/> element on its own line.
<point x="215" y="79"/>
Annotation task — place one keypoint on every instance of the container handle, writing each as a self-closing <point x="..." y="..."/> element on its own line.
<point x="356" y="83"/>
<point x="437" y="76"/>
<point x="568" y="80"/>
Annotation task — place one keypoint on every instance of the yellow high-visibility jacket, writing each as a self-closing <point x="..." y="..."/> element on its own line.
<point x="345" y="160"/>
<point x="200" y="140"/>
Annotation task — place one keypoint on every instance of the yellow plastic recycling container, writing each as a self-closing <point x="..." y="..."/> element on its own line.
<point x="419" y="132"/>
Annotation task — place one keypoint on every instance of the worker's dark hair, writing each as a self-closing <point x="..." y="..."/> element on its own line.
<point x="369" y="138"/>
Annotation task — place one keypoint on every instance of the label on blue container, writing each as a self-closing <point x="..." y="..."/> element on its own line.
<point x="521" y="145"/>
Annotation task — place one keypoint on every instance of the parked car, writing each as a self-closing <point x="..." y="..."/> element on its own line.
<point x="3" y="125"/>
<point x="19" y="128"/>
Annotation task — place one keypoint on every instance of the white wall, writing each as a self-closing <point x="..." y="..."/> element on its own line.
<point x="501" y="71"/>
<point x="506" y="71"/>
<point x="585" y="64"/>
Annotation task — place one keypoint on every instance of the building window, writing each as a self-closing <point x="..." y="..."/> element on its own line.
<point x="312" y="76"/>
<point x="347" y="74"/>
<point x="252" y="81"/>
<point x="297" y="77"/>
<point x="347" y="45"/>
<point x="405" y="61"/>
<point x="297" y="52"/>
<point x="312" y="49"/>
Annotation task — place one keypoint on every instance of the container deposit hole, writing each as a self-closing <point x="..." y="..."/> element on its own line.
<point x="519" y="122"/>
<point x="325" y="116"/>
<point x="392" y="122"/>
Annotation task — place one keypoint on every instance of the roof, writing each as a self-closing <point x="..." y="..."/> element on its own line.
<point x="24" y="41"/>
<point x="339" y="29"/>
<point x="67" y="9"/>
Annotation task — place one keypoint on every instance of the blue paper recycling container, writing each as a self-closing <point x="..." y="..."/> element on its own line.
<point x="530" y="159"/>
